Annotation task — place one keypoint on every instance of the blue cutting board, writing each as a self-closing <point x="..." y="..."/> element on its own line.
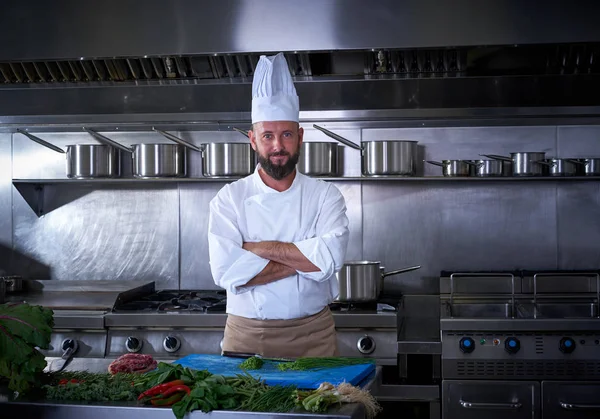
<point x="228" y="366"/>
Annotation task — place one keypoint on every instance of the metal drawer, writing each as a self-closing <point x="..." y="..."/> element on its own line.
<point x="570" y="399"/>
<point x="490" y="399"/>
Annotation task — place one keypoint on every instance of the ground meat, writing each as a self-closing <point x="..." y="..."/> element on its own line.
<point x="132" y="363"/>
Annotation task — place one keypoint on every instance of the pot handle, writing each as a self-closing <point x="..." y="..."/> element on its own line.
<point x="338" y="137"/>
<point x="576" y="161"/>
<point x="107" y="141"/>
<point x="542" y="162"/>
<point x="40" y="141"/>
<point x="401" y="271"/>
<point x="241" y="131"/>
<point x="496" y="157"/>
<point x="435" y="163"/>
<point x="177" y="140"/>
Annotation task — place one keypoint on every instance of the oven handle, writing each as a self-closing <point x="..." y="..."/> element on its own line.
<point x="572" y="406"/>
<point x="508" y="406"/>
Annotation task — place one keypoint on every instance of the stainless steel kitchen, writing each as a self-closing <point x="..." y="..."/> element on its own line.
<point x="463" y="137"/>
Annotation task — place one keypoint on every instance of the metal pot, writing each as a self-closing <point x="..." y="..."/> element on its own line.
<point x="362" y="281"/>
<point x="563" y="167"/>
<point x="383" y="158"/>
<point x="159" y="160"/>
<point x="591" y="166"/>
<point x="86" y="161"/>
<point x="524" y="163"/>
<point x="455" y="168"/>
<point x="227" y="159"/>
<point x="12" y="283"/>
<point x="318" y="159"/>
<point x="487" y="168"/>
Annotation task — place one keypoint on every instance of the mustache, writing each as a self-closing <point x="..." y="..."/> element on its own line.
<point x="279" y="153"/>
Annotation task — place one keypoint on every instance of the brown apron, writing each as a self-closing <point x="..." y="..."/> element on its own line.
<point x="312" y="336"/>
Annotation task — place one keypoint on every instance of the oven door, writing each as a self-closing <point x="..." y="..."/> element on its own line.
<point x="570" y="399"/>
<point x="490" y="399"/>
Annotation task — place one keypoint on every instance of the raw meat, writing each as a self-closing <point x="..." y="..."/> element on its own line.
<point x="129" y="363"/>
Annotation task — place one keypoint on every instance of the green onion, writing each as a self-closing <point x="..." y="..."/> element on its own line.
<point x="302" y="364"/>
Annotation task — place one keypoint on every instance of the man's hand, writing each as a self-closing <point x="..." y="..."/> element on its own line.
<point x="283" y="253"/>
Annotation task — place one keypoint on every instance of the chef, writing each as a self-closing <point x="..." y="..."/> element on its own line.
<point x="277" y="237"/>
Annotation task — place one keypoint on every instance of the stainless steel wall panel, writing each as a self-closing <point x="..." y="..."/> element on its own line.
<point x="194" y="205"/>
<point x="482" y="226"/>
<point x="352" y="192"/>
<point x="101" y="233"/>
<point x="468" y="142"/>
<point x="579" y="141"/>
<point x="578" y="226"/>
<point x="191" y="27"/>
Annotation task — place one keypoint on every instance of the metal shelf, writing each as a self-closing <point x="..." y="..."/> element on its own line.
<point x="332" y="179"/>
<point x="33" y="190"/>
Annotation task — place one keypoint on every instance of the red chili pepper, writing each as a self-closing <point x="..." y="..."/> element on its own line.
<point x="176" y="389"/>
<point x="168" y="401"/>
<point x="160" y="388"/>
<point x="63" y="382"/>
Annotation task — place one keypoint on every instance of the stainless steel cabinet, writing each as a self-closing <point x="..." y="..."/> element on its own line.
<point x="569" y="399"/>
<point x="490" y="399"/>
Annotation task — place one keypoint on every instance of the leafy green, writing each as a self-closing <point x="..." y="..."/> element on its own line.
<point x="211" y="393"/>
<point x="93" y="387"/>
<point x="165" y="372"/>
<point x="23" y="328"/>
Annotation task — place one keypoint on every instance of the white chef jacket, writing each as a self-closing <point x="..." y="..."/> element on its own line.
<point x="311" y="214"/>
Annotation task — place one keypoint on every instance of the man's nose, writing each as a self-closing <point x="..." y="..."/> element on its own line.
<point x="278" y="143"/>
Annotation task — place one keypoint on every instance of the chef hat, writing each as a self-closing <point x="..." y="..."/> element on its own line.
<point x="274" y="96"/>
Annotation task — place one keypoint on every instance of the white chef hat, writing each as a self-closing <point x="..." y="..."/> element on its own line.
<point x="274" y="96"/>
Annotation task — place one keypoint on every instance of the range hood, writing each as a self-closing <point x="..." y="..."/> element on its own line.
<point x="183" y="62"/>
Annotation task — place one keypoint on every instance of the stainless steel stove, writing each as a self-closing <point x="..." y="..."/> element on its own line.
<point x="175" y="323"/>
<point x="520" y="341"/>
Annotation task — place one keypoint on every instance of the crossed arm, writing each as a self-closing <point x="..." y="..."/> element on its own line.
<point x="284" y="260"/>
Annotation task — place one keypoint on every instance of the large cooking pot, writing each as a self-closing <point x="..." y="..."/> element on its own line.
<point x="227" y="159"/>
<point x="455" y="168"/>
<point x="318" y="159"/>
<point x="362" y="281"/>
<point x="524" y="163"/>
<point x="85" y="161"/>
<point x="383" y="158"/>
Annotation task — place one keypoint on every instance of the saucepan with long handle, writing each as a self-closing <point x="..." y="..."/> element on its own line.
<point x="362" y="281"/>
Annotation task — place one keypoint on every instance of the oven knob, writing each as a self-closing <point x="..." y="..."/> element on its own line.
<point x="366" y="345"/>
<point x="467" y="345"/>
<point x="171" y="344"/>
<point x="133" y="344"/>
<point x="512" y="345"/>
<point x="566" y="345"/>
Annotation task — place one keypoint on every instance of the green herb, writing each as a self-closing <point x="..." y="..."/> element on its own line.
<point x="23" y="327"/>
<point x="327" y="395"/>
<point x="252" y="363"/>
<point x="276" y="399"/>
<point x="302" y="364"/>
<point x="91" y="387"/>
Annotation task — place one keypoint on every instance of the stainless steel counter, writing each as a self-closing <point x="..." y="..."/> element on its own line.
<point x="129" y="410"/>
<point x="343" y="319"/>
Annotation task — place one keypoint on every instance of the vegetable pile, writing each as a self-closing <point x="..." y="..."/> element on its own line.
<point x="252" y="363"/>
<point x="23" y="327"/>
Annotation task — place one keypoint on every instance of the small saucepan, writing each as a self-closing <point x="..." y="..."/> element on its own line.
<point x="362" y="281"/>
<point x="455" y="168"/>
<point x="524" y="163"/>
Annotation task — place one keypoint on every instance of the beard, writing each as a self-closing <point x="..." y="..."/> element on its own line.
<point x="279" y="171"/>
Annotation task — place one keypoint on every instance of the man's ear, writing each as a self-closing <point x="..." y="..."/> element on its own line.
<point x="252" y="139"/>
<point x="300" y="136"/>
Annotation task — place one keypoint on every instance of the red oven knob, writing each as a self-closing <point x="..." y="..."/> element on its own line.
<point x="566" y="345"/>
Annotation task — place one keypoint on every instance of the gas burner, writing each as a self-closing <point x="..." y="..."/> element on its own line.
<point x="177" y="301"/>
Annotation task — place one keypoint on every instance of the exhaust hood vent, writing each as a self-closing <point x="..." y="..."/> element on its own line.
<point x="563" y="59"/>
